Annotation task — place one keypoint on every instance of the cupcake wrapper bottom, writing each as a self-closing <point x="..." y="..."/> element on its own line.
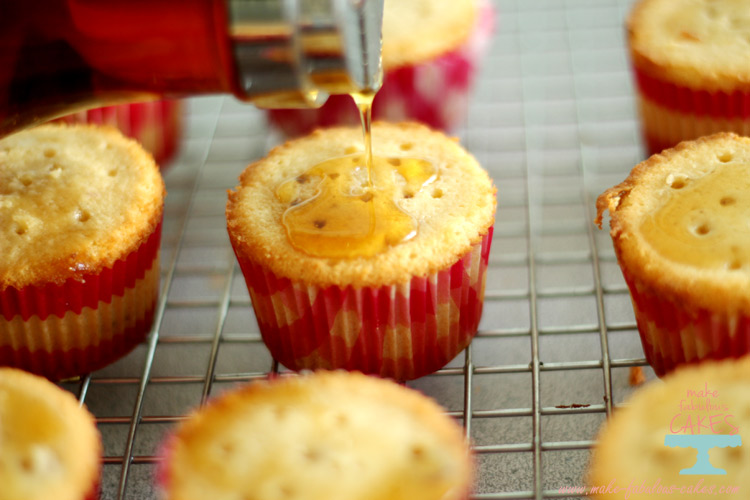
<point x="672" y="113"/>
<point x="157" y="125"/>
<point x="58" y="363"/>
<point x="403" y="331"/>
<point x="674" y="334"/>
<point x="61" y="331"/>
<point x="434" y="92"/>
<point x="664" y="128"/>
<point x="95" y="491"/>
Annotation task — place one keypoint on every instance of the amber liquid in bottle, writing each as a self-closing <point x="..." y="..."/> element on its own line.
<point x="57" y="56"/>
<point x="351" y="207"/>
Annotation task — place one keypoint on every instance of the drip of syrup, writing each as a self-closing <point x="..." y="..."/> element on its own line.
<point x="363" y="100"/>
<point x="350" y="206"/>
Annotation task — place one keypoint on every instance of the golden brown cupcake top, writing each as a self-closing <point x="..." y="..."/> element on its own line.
<point x="680" y="221"/>
<point x="700" y="44"/>
<point x="73" y="200"/>
<point x="49" y="445"/>
<point x="416" y="31"/>
<point x="453" y="212"/>
<point x="639" y="441"/>
<point x="327" y="436"/>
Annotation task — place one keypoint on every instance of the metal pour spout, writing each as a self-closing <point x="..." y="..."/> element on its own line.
<point x="294" y="53"/>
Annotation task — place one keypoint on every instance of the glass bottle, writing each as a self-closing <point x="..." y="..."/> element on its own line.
<point x="60" y="56"/>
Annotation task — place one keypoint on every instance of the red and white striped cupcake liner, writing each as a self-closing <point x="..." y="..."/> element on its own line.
<point x="675" y="333"/>
<point x="70" y="329"/>
<point x="402" y="331"/>
<point x="94" y="493"/>
<point x="671" y="113"/>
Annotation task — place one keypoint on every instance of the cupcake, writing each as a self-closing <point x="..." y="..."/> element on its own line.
<point x="157" y="125"/>
<point x="680" y="233"/>
<point x="430" y="54"/>
<point x="387" y="280"/>
<point x="683" y="437"/>
<point x="691" y="69"/>
<point x="80" y="210"/>
<point x="327" y="436"/>
<point x="49" y="445"/>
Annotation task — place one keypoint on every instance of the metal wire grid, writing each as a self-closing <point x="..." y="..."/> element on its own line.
<point x="552" y="120"/>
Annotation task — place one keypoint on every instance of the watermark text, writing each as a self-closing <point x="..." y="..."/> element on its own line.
<point x="656" y="488"/>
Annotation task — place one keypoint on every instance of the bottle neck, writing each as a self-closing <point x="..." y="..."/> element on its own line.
<point x="293" y="53"/>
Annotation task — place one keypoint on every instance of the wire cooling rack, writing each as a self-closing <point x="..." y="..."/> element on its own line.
<point x="553" y="121"/>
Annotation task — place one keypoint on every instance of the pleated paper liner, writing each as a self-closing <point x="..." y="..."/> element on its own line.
<point x="95" y="492"/>
<point x="672" y="113"/>
<point x="403" y="331"/>
<point x="677" y="333"/>
<point x="156" y="125"/>
<point x="435" y="92"/>
<point x="67" y="330"/>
